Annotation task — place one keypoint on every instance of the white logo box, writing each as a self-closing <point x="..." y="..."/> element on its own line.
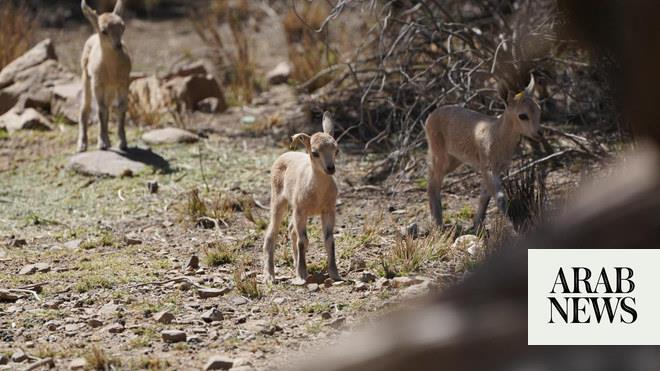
<point x="544" y="265"/>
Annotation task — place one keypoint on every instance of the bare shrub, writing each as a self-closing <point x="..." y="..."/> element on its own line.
<point x="232" y="56"/>
<point x="308" y="50"/>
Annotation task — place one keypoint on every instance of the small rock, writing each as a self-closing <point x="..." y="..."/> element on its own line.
<point x="26" y="119"/>
<point x="73" y="244"/>
<point x="279" y="301"/>
<point x="52" y="325"/>
<point x="152" y="186"/>
<point x="367" y="277"/>
<point x="328" y="282"/>
<point x="326" y="315"/>
<point x="400" y="282"/>
<point x="317" y="278"/>
<point x="208" y="105"/>
<point x="211" y="292"/>
<point x="280" y="74"/>
<point x="173" y="336"/>
<point x="78" y="364"/>
<point x="238" y="300"/>
<point x="115" y="328"/>
<point x="411" y="231"/>
<point x="28" y="269"/>
<point x="470" y="243"/>
<point x="219" y="362"/>
<point x="7" y="296"/>
<point x="338" y="323"/>
<point x="382" y="282"/>
<point x="313" y="287"/>
<point x="357" y="264"/>
<point x="17" y="242"/>
<point x="164" y="317"/>
<point x="192" y="263"/>
<point x="169" y="136"/>
<point x="109" y="309"/>
<point x="3" y="359"/>
<point x="94" y="323"/>
<point x="42" y="267"/>
<point x="360" y="286"/>
<point x="212" y="315"/>
<point x="18" y="356"/>
<point x="130" y="241"/>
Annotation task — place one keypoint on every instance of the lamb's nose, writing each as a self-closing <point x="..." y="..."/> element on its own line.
<point x="331" y="169"/>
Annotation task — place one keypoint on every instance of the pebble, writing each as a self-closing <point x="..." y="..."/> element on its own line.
<point x="367" y="277"/>
<point x="219" y="362"/>
<point x="212" y="315"/>
<point x="173" y="336"/>
<point x="78" y="364"/>
<point x="211" y="292"/>
<point x="164" y="317"/>
<point x="18" y="356"/>
<point x="313" y="287"/>
<point x="94" y="323"/>
<point x="115" y="328"/>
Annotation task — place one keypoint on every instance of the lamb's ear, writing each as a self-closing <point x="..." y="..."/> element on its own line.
<point x="305" y="139"/>
<point x="529" y="90"/>
<point x="119" y="7"/>
<point x="90" y="14"/>
<point x="328" y="123"/>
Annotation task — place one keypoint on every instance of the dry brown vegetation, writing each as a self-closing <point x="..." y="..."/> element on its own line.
<point x="230" y="50"/>
<point x="309" y="50"/>
<point x="16" y="31"/>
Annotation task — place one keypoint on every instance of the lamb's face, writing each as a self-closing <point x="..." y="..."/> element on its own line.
<point x="323" y="150"/>
<point x="111" y="29"/>
<point x="528" y="116"/>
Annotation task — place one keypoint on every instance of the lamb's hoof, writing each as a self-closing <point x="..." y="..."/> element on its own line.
<point x="269" y="278"/>
<point x="336" y="277"/>
<point x="103" y="147"/>
<point x="123" y="146"/>
<point x="82" y="148"/>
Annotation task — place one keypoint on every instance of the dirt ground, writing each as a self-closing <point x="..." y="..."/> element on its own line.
<point x="109" y="246"/>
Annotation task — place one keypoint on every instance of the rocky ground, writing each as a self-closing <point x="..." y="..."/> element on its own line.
<point x="159" y="267"/>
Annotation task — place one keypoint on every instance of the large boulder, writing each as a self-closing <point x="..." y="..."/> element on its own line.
<point x="31" y="79"/>
<point x="188" y="91"/>
<point x="24" y="119"/>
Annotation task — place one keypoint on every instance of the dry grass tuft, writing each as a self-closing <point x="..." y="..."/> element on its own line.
<point x="232" y="56"/>
<point x="409" y="254"/>
<point x="220" y="207"/>
<point x="246" y="284"/>
<point x="219" y="253"/>
<point x="308" y="51"/>
<point x="97" y="359"/>
<point x="16" y="31"/>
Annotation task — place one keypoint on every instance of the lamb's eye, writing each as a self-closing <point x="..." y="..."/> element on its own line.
<point x="315" y="154"/>
<point x="523" y="116"/>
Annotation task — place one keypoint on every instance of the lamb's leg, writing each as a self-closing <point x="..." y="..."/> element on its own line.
<point x="328" y="222"/>
<point x="277" y="210"/>
<point x="122" y="106"/>
<point x="300" y="223"/>
<point x="85" y="110"/>
<point x="441" y="165"/>
<point x="104" y="115"/>
<point x="500" y="196"/>
<point x="294" y="242"/>
<point x="480" y="215"/>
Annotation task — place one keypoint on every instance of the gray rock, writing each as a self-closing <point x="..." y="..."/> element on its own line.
<point x="3" y="359"/>
<point x="24" y="119"/>
<point x="108" y="310"/>
<point x="164" y="317"/>
<point x="169" y="136"/>
<point x="338" y="323"/>
<point x="18" y="356"/>
<point x="28" y="269"/>
<point x="400" y="282"/>
<point x="411" y="231"/>
<point x="313" y="287"/>
<point x="211" y="292"/>
<point x="212" y="315"/>
<point x="94" y="323"/>
<point x="115" y="328"/>
<point x="469" y="243"/>
<point x="360" y="286"/>
<point x="280" y="74"/>
<point x="188" y="91"/>
<point x="192" y="263"/>
<point x="238" y="300"/>
<point x="78" y="364"/>
<point x="73" y="244"/>
<point x="173" y="336"/>
<point x="326" y="315"/>
<point x="35" y="56"/>
<point x="208" y="105"/>
<point x="104" y="163"/>
<point x="7" y="297"/>
<point x="66" y="99"/>
<point x="367" y="277"/>
<point x="219" y="362"/>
